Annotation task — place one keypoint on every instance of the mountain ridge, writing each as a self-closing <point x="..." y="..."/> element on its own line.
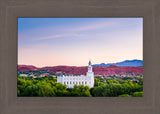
<point x="81" y="70"/>
<point x="135" y="63"/>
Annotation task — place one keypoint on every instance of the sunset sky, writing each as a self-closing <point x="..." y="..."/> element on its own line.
<point x="73" y="41"/>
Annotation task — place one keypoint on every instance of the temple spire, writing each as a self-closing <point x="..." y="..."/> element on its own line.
<point x="89" y="66"/>
<point x="89" y="62"/>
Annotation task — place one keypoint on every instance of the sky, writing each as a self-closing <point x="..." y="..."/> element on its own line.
<point x="75" y="41"/>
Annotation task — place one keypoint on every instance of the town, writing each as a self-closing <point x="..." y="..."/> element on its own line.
<point x="45" y="73"/>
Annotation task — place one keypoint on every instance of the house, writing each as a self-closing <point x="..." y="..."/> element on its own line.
<point x="44" y="74"/>
<point x="25" y="75"/>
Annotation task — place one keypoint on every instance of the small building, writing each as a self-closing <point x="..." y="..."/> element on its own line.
<point x="44" y="74"/>
<point x="32" y="76"/>
<point x="59" y="73"/>
<point x="135" y="80"/>
<point x="53" y="76"/>
<point x="25" y="75"/>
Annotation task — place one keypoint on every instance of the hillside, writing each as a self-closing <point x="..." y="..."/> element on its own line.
<point x="27" y="68"/>
<point x="98" y="70"/>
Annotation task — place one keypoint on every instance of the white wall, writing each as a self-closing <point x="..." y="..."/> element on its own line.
<point x="70" y="81"/>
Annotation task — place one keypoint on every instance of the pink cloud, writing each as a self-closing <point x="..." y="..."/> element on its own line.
<point x="58" y="36"/>
<point x="93" y="26"/>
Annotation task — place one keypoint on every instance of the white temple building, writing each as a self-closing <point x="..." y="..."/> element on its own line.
<point x="86" y="80"/>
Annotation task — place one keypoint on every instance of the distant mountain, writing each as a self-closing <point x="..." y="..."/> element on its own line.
<point x="133" y="63"/>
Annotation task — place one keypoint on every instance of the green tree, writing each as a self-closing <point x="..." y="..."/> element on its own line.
<point x="137" y="94"/>
<point x="124" y="95"/>
<point x="96" y="82"/>
<point x="81" y="90"/>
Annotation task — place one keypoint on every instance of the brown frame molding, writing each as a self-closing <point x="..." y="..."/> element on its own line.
<point x="11" y="9"/>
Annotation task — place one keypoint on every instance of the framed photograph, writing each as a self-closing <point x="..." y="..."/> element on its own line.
<point x="78" y="57"/>
<point x="65" y="57"/>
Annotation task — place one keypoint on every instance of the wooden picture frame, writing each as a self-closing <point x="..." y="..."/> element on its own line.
<point x="11" y="9"/>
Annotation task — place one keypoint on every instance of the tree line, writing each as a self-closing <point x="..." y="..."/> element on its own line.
<point x="48" y="87"/>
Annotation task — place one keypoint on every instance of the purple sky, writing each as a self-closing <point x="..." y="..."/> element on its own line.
<point x="73" y="41"/>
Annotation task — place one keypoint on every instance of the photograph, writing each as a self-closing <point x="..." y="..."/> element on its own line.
<point x="80" y="57"/>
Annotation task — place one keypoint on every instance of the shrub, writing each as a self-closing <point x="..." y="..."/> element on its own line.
<point x="137" y="94"/>
<point x="124" y="95"/>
